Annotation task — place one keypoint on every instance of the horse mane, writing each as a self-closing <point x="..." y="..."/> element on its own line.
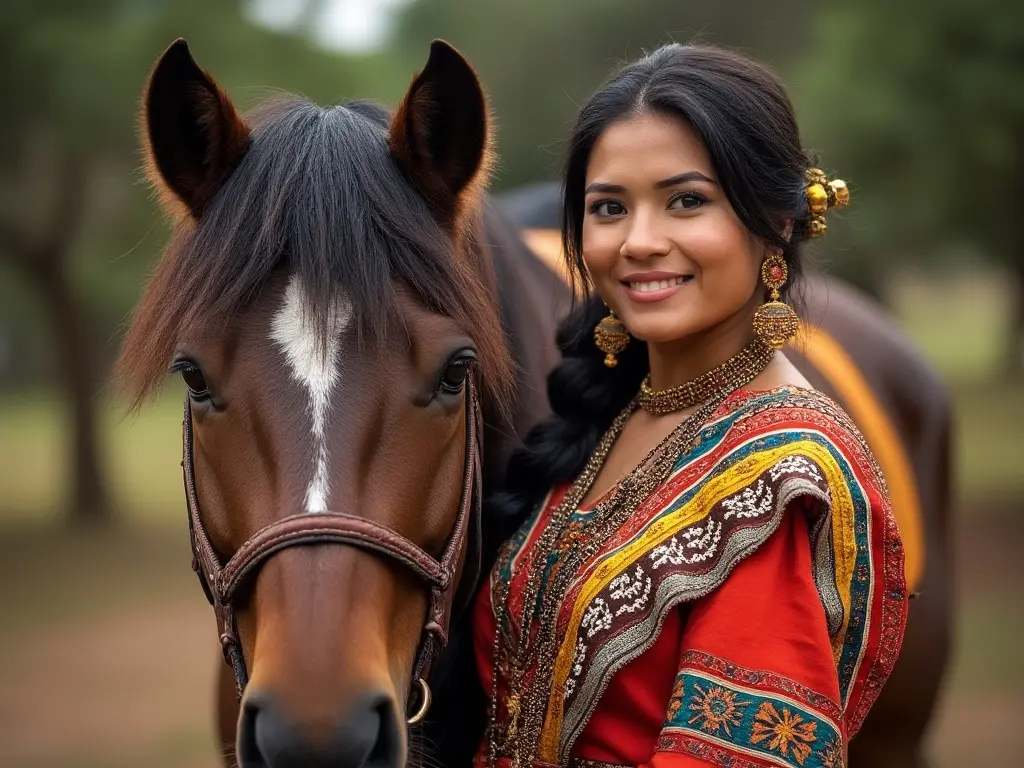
<point x="318" y="195"/>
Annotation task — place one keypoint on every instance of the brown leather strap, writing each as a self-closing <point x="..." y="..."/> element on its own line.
<point x="326" y="528"/>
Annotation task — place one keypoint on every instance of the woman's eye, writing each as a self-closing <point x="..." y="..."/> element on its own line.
<point x="687" y="201"/>
<point x="607" y="208"/>
<point x="454" y="377"/>
<point x="195" y="382"/>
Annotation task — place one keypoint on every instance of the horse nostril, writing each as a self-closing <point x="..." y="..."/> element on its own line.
<point x="387" y="750"/>
<point x="247" y="752"/>
<point x="367" y="737"/>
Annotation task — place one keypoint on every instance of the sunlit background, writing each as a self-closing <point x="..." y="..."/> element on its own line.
<point x="107" y="646"/>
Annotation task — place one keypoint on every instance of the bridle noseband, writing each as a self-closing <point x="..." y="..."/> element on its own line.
<point x="222" y="582"/>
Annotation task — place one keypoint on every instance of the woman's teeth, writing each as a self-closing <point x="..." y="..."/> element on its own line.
<point x="656" y="285"/>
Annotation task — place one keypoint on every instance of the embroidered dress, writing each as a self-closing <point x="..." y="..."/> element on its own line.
<point x="747" y="614"/>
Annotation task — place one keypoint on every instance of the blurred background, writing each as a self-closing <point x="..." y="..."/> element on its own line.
<point x="107" y="646"/>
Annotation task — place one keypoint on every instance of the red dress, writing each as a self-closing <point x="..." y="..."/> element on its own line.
<point x="747" y="614"/>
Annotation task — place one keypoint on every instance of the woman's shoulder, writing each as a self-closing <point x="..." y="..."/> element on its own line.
<point x="797" y="420"/>
<point x="790" y="403"/>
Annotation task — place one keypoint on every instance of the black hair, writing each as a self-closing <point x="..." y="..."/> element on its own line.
<point x="742" y="114"/>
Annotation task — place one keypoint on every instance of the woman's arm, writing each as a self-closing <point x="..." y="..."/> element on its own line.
<point x="757" y="682"/>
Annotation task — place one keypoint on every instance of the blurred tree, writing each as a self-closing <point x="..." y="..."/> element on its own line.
<point x="539" y="59"/>
<point x="70" y="79"/>
<point x="45" y="194"/>
<point x="923" y="106"/>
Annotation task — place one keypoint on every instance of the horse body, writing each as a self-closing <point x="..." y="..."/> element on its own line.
<point x="849" y="350"/>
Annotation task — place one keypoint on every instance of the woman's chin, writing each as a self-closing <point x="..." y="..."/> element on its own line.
<point x="662" y="333"/>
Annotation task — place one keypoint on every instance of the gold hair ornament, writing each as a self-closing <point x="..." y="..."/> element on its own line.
<point x="822" y="196"/>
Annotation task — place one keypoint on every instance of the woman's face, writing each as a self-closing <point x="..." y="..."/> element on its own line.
<point x="663" y="245"/>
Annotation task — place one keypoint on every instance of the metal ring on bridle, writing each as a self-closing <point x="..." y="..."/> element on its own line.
<point x="425" y="700"/>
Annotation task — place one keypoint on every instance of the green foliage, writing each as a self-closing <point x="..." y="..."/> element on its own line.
<point x="919" y="106"/>
<point x="922" y="105"/>
<point x="540" y="58"/>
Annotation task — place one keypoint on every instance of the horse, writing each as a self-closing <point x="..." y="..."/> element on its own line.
<point x="848" y="349"/>
<point x="350" y="315"/>
<point x="337" y="289"/>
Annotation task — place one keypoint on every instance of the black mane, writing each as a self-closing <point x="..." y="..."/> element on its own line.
<point x="317" y="195"/>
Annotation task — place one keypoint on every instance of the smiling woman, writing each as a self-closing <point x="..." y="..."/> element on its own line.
<point x="652" y="186"/>
<point x="702" y="566"/>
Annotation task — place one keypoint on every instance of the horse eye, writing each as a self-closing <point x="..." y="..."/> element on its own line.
<point x="195" y="382"/>
<point x="454" y="377"/>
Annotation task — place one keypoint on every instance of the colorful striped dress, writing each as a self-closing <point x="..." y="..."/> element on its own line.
<point x="747" y="614"/>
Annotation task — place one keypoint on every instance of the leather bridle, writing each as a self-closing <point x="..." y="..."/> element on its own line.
<point x="222" y="581"/>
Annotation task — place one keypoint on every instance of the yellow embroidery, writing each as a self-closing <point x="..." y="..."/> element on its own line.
<point x="784" y="732"/>
<point x="854" y="392"/>
<point x="716" y="709"/>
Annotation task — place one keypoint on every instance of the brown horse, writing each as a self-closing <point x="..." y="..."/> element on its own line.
<point x="330" y="298"/>
<point x="333" y="274"/>
<point x="849" y="350"/>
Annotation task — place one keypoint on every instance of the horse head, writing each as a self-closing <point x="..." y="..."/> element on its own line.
<point x="327" y="300"/>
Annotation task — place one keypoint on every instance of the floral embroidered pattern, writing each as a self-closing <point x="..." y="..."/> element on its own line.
<point x="581" y="653"/>
<point x="784" y="732"/>
<point x="717" y="709"/>
<point x="702" y="539"/>
<point x="636" y="588"/>
<point x="832" y="754"/>
<point x="751" y="502"/>
<point x="721" y="719"/>
<point x="795" y="465"/>
<point x="597" y="617"/>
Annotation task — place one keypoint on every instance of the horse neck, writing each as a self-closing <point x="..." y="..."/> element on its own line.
<point x="532" y="301"/>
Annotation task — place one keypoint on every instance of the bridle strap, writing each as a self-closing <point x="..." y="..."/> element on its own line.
<point x="222" y="583"/>
<point x="325" y="528"/>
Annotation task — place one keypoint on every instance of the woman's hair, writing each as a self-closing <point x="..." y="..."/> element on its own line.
<point x="743" y="116"/>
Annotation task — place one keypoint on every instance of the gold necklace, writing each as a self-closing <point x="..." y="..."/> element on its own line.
<point x="574" y="543"/>
<point x="755" y="356"/>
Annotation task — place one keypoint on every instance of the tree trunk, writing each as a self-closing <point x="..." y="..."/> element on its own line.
<point x="69" y="324"/>
<point x="43" y="262"/>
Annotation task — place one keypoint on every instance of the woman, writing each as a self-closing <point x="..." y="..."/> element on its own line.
<point x="707" y="570"/>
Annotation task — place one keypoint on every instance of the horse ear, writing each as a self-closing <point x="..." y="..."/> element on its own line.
<point x="193" y="136"/>
<point x="440" y="133"/>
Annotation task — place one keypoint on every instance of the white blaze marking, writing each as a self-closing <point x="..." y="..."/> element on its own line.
<point x="316" y="371"/>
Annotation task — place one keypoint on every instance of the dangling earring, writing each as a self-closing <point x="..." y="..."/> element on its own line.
<point x="611" y="337"/>
<point x="775" y="323"/>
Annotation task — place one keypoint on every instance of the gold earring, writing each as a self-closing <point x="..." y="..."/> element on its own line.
<point x="611" y="337"/>
<point x="775" y="322"/>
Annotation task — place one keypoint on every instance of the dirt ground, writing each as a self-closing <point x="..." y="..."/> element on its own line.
<point x="107" y="651"/>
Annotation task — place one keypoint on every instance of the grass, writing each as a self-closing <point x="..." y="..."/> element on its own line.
<point x="141" y="455"/>
<point x="958" y="322"/>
